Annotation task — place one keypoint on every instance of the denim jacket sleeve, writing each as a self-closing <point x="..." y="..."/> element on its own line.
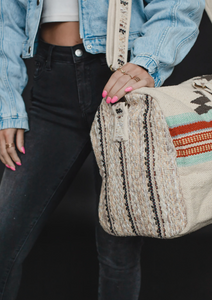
<point x="13" y="75"/>
<point x="168" y="34"/>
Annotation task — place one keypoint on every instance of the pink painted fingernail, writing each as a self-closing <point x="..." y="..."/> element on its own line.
<point x="12" y="168"/>
<point x="108" y="100"/>
<point x="114" y="99"/>
<point x="7" y="166"/>
<point x="128" y="89"/>
<point x="18" y="163"/>
<point x="104" y="94"/>
<point x="23" y="150"/>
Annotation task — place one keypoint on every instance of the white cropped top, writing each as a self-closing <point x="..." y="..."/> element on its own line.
<point x="60" y="11"/>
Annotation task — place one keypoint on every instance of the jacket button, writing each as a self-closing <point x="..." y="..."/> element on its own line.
<point x="30" y="49"/>
<point x="38" y="2"/>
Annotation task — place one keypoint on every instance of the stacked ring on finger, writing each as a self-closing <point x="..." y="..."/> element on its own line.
<point x="125" y="73"/>
<point x="122" y="71"/>
<point x="9" y="145"/>
<point x="137" y="79"/>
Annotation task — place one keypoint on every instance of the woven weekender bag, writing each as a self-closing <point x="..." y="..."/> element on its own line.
<point x="154" y="152"/>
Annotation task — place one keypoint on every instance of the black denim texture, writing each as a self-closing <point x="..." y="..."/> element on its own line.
<point x="66" y="93"/>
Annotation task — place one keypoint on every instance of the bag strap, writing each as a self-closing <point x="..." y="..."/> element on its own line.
<point x="118" y="25"/>
<point x="208" y="8"/>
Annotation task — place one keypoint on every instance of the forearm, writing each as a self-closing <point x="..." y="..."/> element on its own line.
<point x="13" y="77"/>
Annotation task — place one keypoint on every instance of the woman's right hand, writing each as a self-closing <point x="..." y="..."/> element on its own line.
<point x="8" y="155"/>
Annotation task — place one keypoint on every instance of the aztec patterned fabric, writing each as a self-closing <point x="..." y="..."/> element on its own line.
<point x="118" y="23"/>
<point x="154" y="152"/>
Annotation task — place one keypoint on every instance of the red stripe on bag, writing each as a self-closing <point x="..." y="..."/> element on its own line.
<point x="191" y="139"/>
<point x="194" y="150"/>
<point x="189" y="128"/>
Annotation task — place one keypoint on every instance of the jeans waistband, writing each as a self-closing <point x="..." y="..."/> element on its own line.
<point x="68" y="54"/>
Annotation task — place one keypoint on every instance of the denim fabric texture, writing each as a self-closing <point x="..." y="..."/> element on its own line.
<point x="67" y="91"/>
<point x="161" y="34"/>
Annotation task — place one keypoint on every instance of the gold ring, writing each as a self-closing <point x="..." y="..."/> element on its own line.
<point x="122" y="71"/>
<point x="137" y="79"/>
<point x="9" y="145"/>
<point x="125" y="73"/>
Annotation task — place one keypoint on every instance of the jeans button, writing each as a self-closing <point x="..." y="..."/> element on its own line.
<point x="78" y="53"/>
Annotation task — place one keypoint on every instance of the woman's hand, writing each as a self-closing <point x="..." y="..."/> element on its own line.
<point x="129" y="77"/>
<point x="8" y="154"/>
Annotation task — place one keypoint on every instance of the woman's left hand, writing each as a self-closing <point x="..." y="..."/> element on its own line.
<point x="129" y="77"/>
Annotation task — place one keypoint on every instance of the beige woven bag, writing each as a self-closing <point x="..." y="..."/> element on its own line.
<point x="154" y="153"/>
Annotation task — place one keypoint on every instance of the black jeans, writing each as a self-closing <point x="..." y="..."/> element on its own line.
<point x="66" y="93"/>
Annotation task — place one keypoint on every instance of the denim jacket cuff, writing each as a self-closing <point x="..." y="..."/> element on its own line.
<point x="149" y="63"/>
<point x="19" y="123"/>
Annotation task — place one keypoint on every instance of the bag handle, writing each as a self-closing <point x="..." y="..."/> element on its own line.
<point x="208" y="8"/>
<point x="118" y="25"/>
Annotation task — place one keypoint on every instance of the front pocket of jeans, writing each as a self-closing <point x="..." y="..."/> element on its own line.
<point x="39" y="69"/>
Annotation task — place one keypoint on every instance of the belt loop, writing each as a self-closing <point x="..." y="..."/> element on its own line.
<point x="48" y="62"/>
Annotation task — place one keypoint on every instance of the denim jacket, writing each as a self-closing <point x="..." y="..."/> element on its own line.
<point x="161" y="34"/>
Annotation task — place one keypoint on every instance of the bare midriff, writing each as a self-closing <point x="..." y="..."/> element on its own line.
<point x="61" y="33"/>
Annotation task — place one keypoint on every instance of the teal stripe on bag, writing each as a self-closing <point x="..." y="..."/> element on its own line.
<point x="188" y="118"/>
<point x="194" y="159"/>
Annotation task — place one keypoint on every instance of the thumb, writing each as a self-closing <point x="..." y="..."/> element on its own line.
<point x="20" y="140"/>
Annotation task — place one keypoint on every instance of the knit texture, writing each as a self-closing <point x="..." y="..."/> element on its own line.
<point x="154" y="153"/>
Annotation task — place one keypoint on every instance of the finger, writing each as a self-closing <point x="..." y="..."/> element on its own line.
<point x="5" y="157"/>
<point x="2" y="160"/>
<point x="136" y="83"/>
<point x="6" y="144"/>
<point x="132" y="86"/>
<point x="112" y="80"/>
<point x="20" y="140"/>
<point x="13" y="155"/>
<point x="3" y="152"/>
<point x="120" y="78"/>
<point x="121" y="81"/>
